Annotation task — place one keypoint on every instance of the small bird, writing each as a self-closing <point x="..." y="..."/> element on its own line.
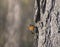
<point x="33" y="29"/>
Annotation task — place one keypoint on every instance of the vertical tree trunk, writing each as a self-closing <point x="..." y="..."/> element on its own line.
<point x="12" y="24"/>
<point x="47" y="19"/>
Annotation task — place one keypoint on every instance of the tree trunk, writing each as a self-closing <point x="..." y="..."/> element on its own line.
<point x="12" y="24"/>
<point x="47" y="19"/>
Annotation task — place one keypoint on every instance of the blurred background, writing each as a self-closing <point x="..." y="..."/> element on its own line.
<point x="26" y="18"/>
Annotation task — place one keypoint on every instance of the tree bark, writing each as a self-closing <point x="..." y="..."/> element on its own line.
<point x="47" y="19"/>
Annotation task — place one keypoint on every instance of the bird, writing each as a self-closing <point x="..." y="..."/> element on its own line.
<point x="33" y="29"/>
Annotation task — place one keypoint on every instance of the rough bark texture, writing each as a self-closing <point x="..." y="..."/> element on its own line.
<point x="47" y="19"/>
